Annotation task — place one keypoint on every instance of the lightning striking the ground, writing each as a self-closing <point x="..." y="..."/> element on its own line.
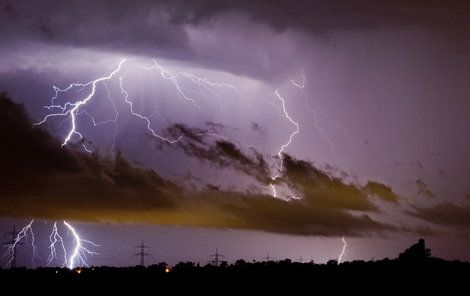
<point x="80" y="252"/>
<point x="55" y="238"/>
<point x="340" y="257"/>
<point x="23" y="234"/>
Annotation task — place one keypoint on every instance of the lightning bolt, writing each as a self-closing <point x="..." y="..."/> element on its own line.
<point x="77" y="258"/>
<point x="203" y="83"/>
<point x="23" y="234"/>
<point x="284" y="146"/>
<point x="299" y="84"/>
<point x="80" y="252"/>
<point x="205" y="87"/>
<point x="55" y="238"/>
<point x="104" y="122"/>
<point x="316" y="110"/>
<point x="71" y="109"/>
<point x="340" y="257"/>
<point x="144" y="118"/>
<point x="116" y="115"/>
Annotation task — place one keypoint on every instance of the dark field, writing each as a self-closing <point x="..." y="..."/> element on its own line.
<point x="372" y="276"/>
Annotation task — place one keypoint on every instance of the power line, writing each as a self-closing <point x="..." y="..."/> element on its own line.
<point x="142" y="254"/>
<point x="114" y="256"/>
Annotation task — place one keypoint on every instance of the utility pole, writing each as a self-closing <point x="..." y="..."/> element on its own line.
<point x="13" y="234"/>
<point x="216" y="257"/>
<point x="142" y="254"/>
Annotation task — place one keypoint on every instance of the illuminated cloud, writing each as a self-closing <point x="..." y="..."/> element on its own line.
<point x="380" y="94"/>
<point x="43" y="180"/>
<point x="381" y="191"/>
<point x="322" y="189"/>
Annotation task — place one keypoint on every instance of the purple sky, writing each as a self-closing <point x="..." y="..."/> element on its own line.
<point x="379" y="92"/>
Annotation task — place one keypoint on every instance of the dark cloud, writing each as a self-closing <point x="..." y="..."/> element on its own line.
<point x="445" y="213"/>
<point x="296" y="217"/>
<point x="423" y="189"/>
<point x="37" y="172"/>
<point x="316" y="186"/>
<point x="324" y="190"/>
<point x="159" y="28"/>
<point x="327" y="16"/>
<point x="112" y="25"/>
<point x="321" y="189"/>
<point x="41" y="179"/>
<point x="204" y="145"/>
<point x="240" y="37"/>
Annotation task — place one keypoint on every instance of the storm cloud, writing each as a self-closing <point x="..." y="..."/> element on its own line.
<point x="41" y="179"/>
<point x="455" y="215"/>
<point x="158" y="24"/>
<point x="180" y="29"/>
<point x="377" y="89"/>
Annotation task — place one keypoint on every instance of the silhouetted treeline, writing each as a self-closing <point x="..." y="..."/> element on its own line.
<point x="414" y="268"/>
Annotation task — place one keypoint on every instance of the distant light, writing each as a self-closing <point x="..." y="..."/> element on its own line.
<point x="167" y="270"/>
<point x="56" y="271"/>
<point x="78" y="271"/>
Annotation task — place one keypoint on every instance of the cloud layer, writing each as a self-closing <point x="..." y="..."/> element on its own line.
<point x="43" y="180"/>
<point x="193" y="31"/>
<point x="160" y="22"/>
<point x="456" y="216"/>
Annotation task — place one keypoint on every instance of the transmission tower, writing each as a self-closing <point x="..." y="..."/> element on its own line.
<point x="13" y="234"/>
<point x="142" y="254"/>
<point x="268" y="258"/>
<point x="216" y="256"/>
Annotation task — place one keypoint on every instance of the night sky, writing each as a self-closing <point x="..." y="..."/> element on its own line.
<point x="253" y="127"/>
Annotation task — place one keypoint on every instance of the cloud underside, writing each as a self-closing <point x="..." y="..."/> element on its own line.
<point x="160" y="28"/>
<point x="100" y="22"/>
<point x="39" y="179"/>
<point x="456" y="216"/>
